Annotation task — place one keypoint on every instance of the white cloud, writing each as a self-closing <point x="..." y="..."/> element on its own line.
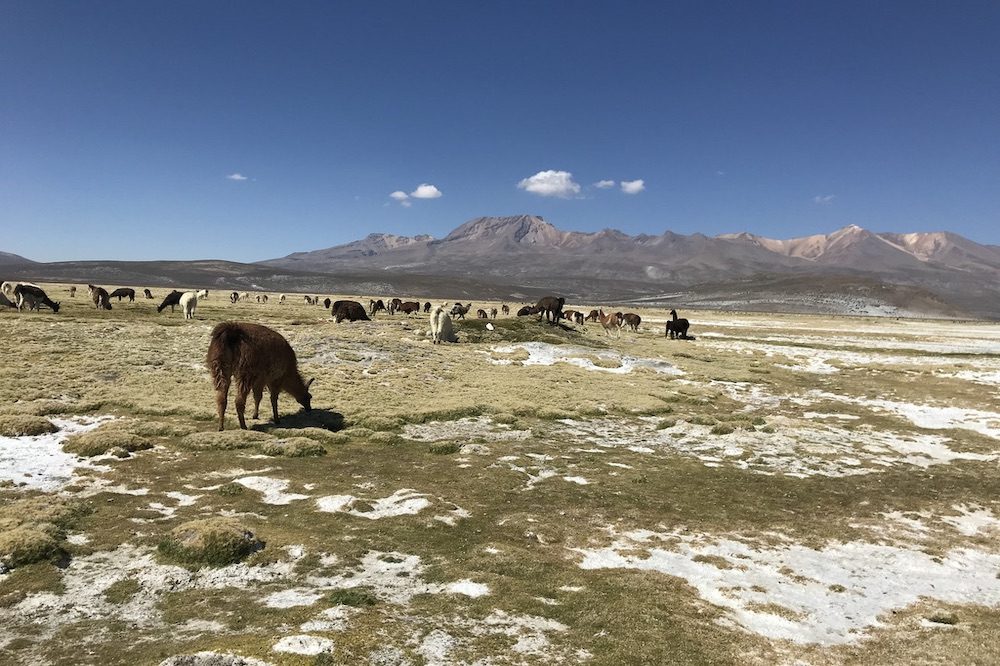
<point x="633" y="186"/>
<point x="236" y="176"/>
<point x="399" y="195"/>
<point x="551" y="184"/>
<point x="824" y="199"/>
<point x="406" y="203"/>
<point x="604" y="184"/>
<point x="426" y="191"/>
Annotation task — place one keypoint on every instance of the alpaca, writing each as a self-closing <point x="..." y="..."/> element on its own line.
<point x="493" y="313"/>
<point x="147" y="293"/>
<point x="632" y="321"/>
<point x="677" y="327"/>
<point x="553" y="306"/>
<point x="72" y="291"/>
<point x="326" y="303"/>
<point x="203" y="293"/>
<point x="505" y="309"/>
<point x="374" y="306"/>
<point x="610" y="322"/>
<point x="257" y="357"/>
<point x="188" y="302"/>
<point x="441" y="328"/>
<point x="172" y="299"/>
<point x="281" y="299"/>
<point x="34" y="297"/>
<point x="394" y="305"/>
<point x="427" y="306"/>
<point x="100" y="297"/>
<point x="349" y="310"/>
<point x="235" y="296"/>
<point x="409" y="307"/>
<point x="123" y="292"/>
<point x="461" y="310"/>
<point x="481" y="314"/>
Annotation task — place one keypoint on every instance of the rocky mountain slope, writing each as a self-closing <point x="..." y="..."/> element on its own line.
<point x="943" y="272"/>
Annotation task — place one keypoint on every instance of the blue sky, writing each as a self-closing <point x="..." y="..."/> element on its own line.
<point x="125" y="127"/>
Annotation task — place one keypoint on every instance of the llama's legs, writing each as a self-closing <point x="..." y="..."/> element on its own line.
<point x="258" y="394"/>
<point x="274" y="389"/>
<point x="221" y="398"/>
<point x="241" y="404"/>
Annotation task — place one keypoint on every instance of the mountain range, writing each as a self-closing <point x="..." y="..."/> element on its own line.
<point x="851" y="270"/>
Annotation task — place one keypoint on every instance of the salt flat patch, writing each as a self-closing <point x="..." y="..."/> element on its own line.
<point x="941" y="346"/>
<point x="330" y="619"/>
<point x="482" y="427"/>
<point x="973" y="520"/>
<point x="303" y="644"/>
<point x="403" y="502"/>
<point x="991" y="378"/>
<point x="927" y="416"/>
<point x="753" y="396"/>
<point x="827" y="596"/>
<point x="293" y="597"/>
<point x="272" y="490"/>
<point x="820" y="361"/>
<point x="39" y="462"/>
<point x="543" y="353"/>
<point x="85" y="580"/>
<point x="208" y="658"/>
<point x="393" y="577"/>
<point x="795" y="448"/>
<point x="528" y="632"/>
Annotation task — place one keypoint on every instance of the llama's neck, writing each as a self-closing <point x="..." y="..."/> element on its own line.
<point x="295" y="386"/>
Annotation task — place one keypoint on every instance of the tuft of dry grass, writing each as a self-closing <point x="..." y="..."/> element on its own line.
<point x="24" y="425"/>
<point x="211" y="541"/>
<point x="226" y="440"/>
<point x="294" y="447"/>
<point x="32" y="529"/>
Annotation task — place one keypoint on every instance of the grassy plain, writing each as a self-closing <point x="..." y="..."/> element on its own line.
<point x="642" y="500"/>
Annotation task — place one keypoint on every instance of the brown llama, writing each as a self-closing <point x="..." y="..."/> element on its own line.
<point x="610" y="322"/>
<point x="256" y="357"/>
<point x="552" y="307"/>
<point x="409" y="307"/>
<point x="100" y="297"/>
<point x="632" y="321"/>
<point x="505" y="309"/>
<point x="148" y="294"/>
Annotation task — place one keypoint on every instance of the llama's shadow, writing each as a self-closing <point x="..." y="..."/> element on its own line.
<point x="326" y="419"/>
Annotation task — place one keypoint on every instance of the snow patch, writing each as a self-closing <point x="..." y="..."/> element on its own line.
<point x="273" y="490"/>
<point x="829" y="596"/>
<point x="303" y="644"/>
<point x="402" y="502"/>
<point x="543" y="353"/>
<point x="39" y="462"/>
<point x="482" y="427"/>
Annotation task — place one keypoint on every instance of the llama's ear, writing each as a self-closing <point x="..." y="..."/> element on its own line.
<point x="309" y="383"/>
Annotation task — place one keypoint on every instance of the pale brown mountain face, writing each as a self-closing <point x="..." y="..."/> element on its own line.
<point x="852" y="270"/>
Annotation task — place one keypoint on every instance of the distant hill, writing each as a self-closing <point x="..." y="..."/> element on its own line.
<point x="8" y="259"/>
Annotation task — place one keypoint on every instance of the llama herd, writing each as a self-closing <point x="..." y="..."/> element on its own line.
<point x="549" y="308"/>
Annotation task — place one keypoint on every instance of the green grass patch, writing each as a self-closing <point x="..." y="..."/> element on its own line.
<point x="122" y="591"/>
<point x="357" y="597"/>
